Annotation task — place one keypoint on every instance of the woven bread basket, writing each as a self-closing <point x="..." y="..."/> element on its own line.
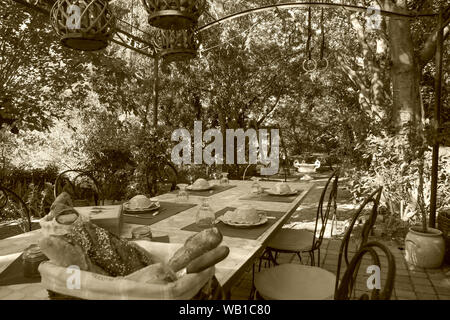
<point x="202" y="285"/>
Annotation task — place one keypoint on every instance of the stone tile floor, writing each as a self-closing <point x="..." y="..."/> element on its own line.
<point x="410" y="283"/>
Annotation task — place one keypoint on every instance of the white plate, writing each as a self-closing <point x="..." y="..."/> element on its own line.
<point x="262" y="217"/>
<point x="273" y="193"/>
<point x="154" y="206"/>
<point x="191" y="188"/>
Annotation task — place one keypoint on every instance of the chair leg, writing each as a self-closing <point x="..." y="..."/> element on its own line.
<point x="260" y="261"/>
<point x="333" y="221"/>
<point x="318" y="257"/>
<point x="253" y="289"/>
<point x="299" y="255"/>
<point x="272" y="258"/>
<point x="312" y="258"/>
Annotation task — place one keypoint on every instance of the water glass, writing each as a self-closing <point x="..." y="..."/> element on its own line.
<point x="205" y="215"/>
<point x="32" y="257"/>
<point x="183" y="194"/>
<point x="224" y="180"/>
<point x="142" y="233"/>
<point x="216" y="178"/>
<point x="256" y="187"/>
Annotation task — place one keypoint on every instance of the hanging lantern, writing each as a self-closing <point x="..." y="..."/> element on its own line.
<point x="83" y="25"/>
<point x="177" y="45"/>
<point x="174" y="14"/>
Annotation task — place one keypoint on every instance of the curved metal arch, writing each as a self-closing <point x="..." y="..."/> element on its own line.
<point x="289" y="5"/>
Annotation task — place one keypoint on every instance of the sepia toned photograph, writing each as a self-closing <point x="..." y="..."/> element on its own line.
<point x="224" y="154"/>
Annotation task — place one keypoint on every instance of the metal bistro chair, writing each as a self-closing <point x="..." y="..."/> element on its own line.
<point x="301" y="282"/>
<point x="160" y="177"/>
<point x="18" y="205"/>
<point x="346" y="289"/>
<point x="75" y="190"/>
<point x="299" y="241"/>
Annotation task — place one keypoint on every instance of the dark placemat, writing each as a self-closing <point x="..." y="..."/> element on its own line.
<point x="268" y="197"/>
<point x="13" y="274"/>
<point x="166" y="210"/>
<point x="207" y="193"/>
<point x="236" y="232"/>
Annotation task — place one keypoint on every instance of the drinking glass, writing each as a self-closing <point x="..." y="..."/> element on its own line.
<point x="183" y="194"/>
<point x="32" y="257"/>
<point x="256" y="187"/>
<point x="216" y="178"/>
<point x="205" y="215"/>
<point x="142" y="233"/>
<point x="224" y="180"/>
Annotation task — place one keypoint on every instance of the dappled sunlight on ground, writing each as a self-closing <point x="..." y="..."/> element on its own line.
<point x="411" y="283"/>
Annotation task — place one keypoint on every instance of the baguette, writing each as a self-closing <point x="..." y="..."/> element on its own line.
<point x="208" y="259"/>
<point x="116" y="256"/>
<point x="64" y="253"/>
<point x="64" y="198"/>
<point x="194" y="247"/>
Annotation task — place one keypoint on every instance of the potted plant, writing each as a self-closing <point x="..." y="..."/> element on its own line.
<point x="424" y="246"/>
<point x="444" y="226"/>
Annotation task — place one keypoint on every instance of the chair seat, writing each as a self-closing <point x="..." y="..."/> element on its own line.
<point x="292" y="240"/>
<point x="295" y="282"/>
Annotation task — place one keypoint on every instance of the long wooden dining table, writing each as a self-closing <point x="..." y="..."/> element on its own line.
<point x="243" y="251"/>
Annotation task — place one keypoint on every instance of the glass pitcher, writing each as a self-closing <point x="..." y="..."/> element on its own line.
<point x="205" y="215"/>
<point x="224" y="180"/>
<point x="183" y="194"/>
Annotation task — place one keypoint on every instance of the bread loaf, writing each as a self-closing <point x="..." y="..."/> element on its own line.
<point x="95" y="249"/>
<point x="64" y="253"/>
<point x="116" y="256"/>
<point x="64" y="199"/>
<point x="195" y="246"/>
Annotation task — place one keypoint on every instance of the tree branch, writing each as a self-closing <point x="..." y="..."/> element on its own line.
<point x="271" y="109"/>
<point x="429" y="48"/>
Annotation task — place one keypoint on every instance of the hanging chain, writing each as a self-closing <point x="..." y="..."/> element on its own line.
<point x="309" y="64"/>
<point x="322" y="31"/>
<point x="308" y="43"/>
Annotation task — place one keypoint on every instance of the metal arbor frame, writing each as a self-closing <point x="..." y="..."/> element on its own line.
<point x="148" y="49"/>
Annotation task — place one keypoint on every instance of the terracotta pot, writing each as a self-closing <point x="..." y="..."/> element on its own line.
<point x="424" y="250"/>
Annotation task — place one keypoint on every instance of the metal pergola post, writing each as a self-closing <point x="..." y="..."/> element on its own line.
<point x="437" y="120"/>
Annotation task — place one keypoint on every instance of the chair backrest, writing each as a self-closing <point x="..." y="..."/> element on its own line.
<point x="331" y="205"/>
<point x="373" y="198"/>
<point x="73" y="183"/>
<point x="9" y="196"/>
<point x="373" y="272"/>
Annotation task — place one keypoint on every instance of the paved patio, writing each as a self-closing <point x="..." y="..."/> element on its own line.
<point x="410" y="283"/>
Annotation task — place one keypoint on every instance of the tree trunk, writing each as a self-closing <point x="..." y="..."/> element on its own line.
<point x="405" y="74"/>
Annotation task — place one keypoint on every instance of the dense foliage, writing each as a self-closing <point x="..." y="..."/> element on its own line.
<point x="69" y="109"/>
